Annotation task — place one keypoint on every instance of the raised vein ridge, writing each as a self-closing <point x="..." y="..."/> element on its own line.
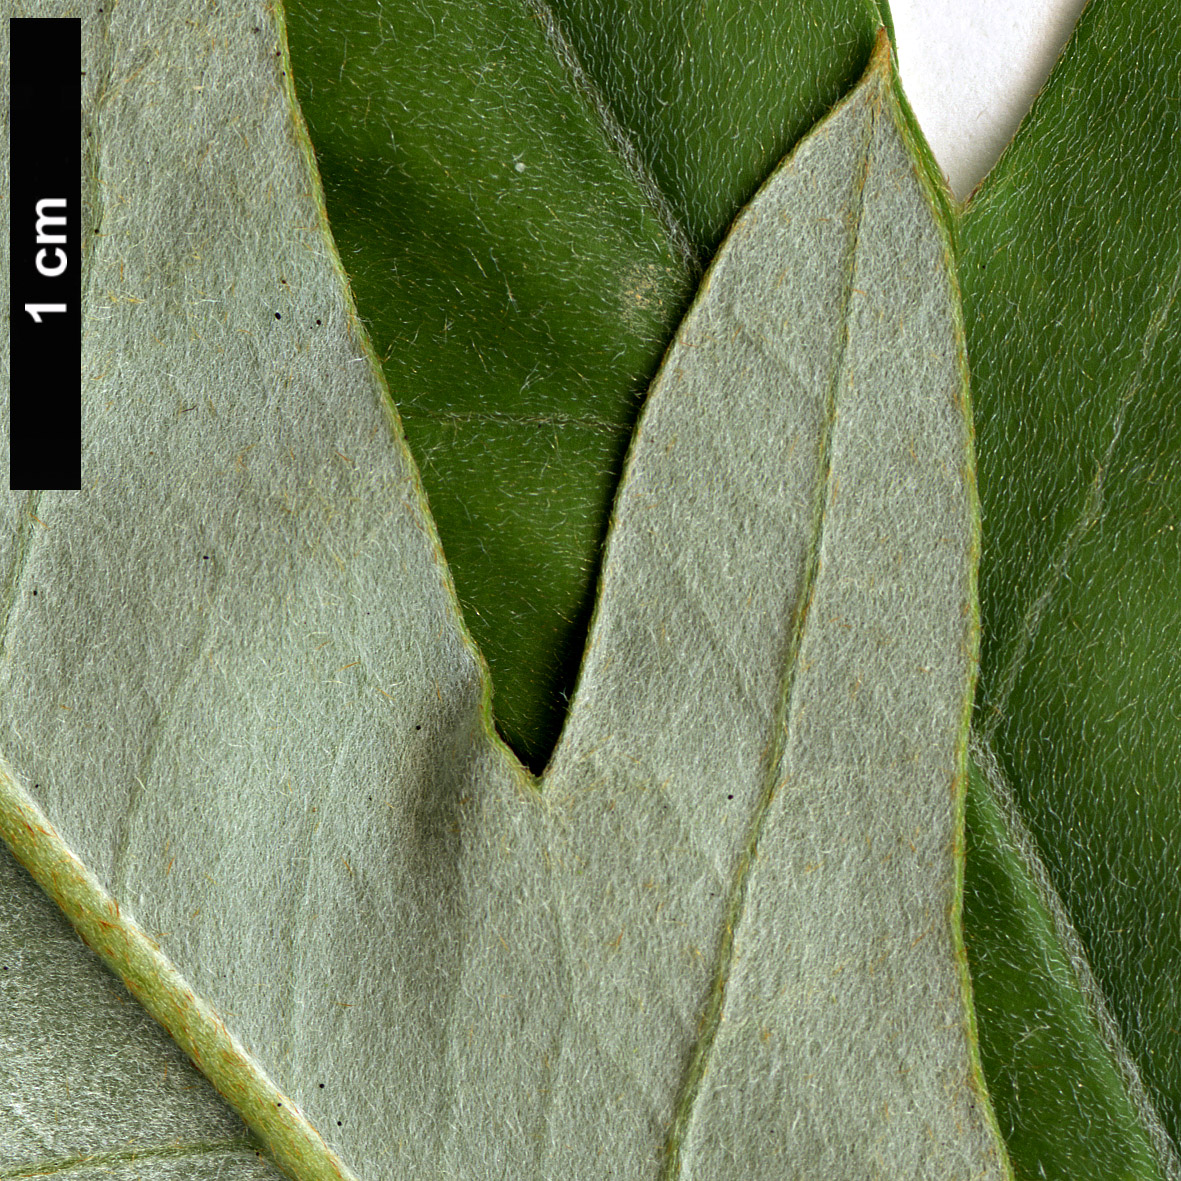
<point x="687" y="1098"/>
<point x="1089" y="516"/>
<point x="613" y="131"/>
<point x="59" y="1166"/>
<point x="154" y="981"/>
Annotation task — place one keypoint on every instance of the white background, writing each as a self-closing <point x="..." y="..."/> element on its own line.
<point x="971" y="69"/>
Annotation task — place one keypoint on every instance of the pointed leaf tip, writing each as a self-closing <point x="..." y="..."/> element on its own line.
<point x="881" y="61"/>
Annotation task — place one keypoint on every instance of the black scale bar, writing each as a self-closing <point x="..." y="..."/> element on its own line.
<point x="45" y="257"/>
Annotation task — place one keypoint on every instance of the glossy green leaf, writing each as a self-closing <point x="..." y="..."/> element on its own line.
<point x="1070" y="269"/>
<point x="283" y="815"/>
<point x="701" y="142"/>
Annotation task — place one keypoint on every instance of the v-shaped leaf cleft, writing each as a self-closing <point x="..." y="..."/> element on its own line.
<point x="719" y="937"/>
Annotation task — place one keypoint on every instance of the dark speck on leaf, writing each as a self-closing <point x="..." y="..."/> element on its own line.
<point x="277" y="316"/>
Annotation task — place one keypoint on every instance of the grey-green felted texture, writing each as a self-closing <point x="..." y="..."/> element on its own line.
<point x="863" y="797"/>
<point x="276" y="797"/>
<point x="1071" y="265"/>
<point x="1064" y="260"/>
<point x="522" y="203"/>
<point x="172" y="1162"/>
<point x="85" y="1073"/>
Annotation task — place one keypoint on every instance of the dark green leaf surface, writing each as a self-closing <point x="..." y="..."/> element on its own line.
<point x="1070" y="272"/>
<point x="713" y="95"/>
<point x="519" y="270"/>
